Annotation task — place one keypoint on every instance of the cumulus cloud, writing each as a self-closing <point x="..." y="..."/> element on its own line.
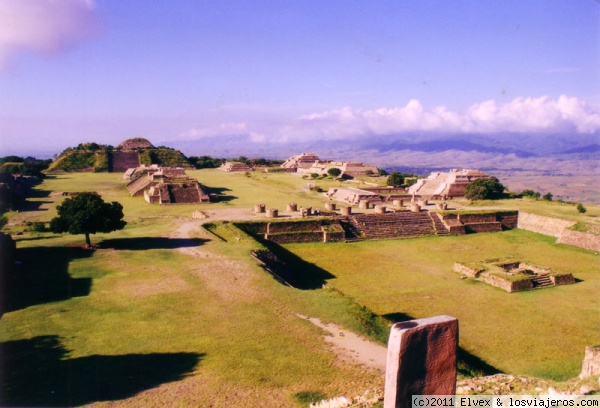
<point x="44" y="26"/>
<point x="521" y="115"/>
<point x="566" y="114"/>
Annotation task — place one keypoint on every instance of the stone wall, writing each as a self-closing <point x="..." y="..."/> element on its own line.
<point x="477" y="218"/>
<point x="300" y="226"/>
<point x="505" y="284"/>
<point x="562" y="279"/>
<point x="580" y="239"/>
<point x="484" y="227"/>
<point x="509" y="220"/>
<point x="295" y="237"/>
<point x="471" y="272"/>
<point x="542" y="225"/>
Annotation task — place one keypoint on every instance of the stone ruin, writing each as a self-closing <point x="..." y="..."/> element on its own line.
<point x="230" y="167"/>
<point x="450" y="184"/>
<point x="309" y="163"/>
<point x="125" y="155"/>
<point x="513" y="276"/>
<point x="351" y="195"/>
<point x="169" y="185"/>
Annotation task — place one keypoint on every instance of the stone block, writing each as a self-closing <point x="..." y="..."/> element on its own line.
<point x="272" y="213"/>
<point x="292" y="207"/>
<point x="421" y="360"/>
<point x="345" y="210"/>
<point x="259" y="208"/>
<point x="415" y="208"/>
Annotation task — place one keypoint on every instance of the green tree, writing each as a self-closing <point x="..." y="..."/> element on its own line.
<point x="484" y="189"/>
<point x="581" y="209"/>
<point x="530" y="193"/>
<point x="395" y="179"/>
<point x="547" y="197"/>
<point x="382" y="172"/>
<point x="334" y="172"/>
<point x="87" y="213"/>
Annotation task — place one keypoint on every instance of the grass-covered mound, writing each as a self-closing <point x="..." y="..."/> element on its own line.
<point x="163" y="156"/>
<point x="93" y="157"/>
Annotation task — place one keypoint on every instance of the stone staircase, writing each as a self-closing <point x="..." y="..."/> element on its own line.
<point x="351" y="229"/>
<point x="403" y="224"/>
<point x="438" y="225"/>
<point x="541" y="281"/>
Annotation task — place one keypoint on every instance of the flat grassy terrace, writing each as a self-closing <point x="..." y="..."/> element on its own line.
<point x="139" y="321"/>
<point x="539" y="333"/>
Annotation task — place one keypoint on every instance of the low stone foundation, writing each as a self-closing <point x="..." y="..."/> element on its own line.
<point x="513" y="276"/>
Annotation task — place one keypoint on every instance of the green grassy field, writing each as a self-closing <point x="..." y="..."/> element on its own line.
<point x="138" y="321"/>
<point x="136" y="314"/>
<point x="539" y="333"/>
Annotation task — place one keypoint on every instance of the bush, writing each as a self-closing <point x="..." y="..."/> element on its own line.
<point x="581" y="209"/>
<point x="39" y="226"/>
<point x="484" y="189"/>
<point x="547" y="197"/>
<point x="334" y="172"/>
<point x="395" y="179"/>
<point x="530" y="193"/>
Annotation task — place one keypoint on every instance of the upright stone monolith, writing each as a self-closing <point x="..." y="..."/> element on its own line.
<point x="421" y="360"/>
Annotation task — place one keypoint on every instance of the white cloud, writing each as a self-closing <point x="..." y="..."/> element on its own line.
<point x="44" y="26"/>
<point x="521" y="115"/>
<point x="566" y="114"/>
<point x="222" y="130"/>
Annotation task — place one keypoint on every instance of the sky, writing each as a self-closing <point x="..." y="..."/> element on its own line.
<point x="275" y="72"/>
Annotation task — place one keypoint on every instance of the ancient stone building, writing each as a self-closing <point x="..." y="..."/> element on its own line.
<point x="301" y="161"/>
<point x="352" y="195"/>
<point x="167" y="185"/>
<point x="235" y="167"/>
<point x="451" y="184"/>
<point x="310" y="163"/>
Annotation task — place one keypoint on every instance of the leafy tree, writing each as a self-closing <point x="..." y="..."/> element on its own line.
<point x="395" y="179"/>
<point x="484" y="189"/>
<point x="547" y="197"/>
<point x="334" y="172"/>
<point x="530" y="193"/>
<point x="581" y="209"/>
<point x="87" y="213"/>
<point x="382" y="172"/>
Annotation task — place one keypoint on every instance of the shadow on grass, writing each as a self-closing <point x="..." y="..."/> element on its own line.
<point x="41" y="275"/>
<point x="37" y="372"/>
<point x="220" y="191"/>
<point x="468" y="363"/>
<point x="295" y="270"/>
<point x="140" y="244"/>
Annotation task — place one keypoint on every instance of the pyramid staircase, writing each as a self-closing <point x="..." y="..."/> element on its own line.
<point x="541" y="281"/>
<point x="440" y="228"/>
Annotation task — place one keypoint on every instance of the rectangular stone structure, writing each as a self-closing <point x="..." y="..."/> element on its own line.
<point x="421" y="360"/>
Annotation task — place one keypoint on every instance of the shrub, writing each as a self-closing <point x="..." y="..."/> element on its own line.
<point x="395" y="179"/>
<point x="484" y="189"/>
<point x="547" y="197"/>
<point x="334" y="172"/>
<point x="530" y="193"/>
<point x="581" y="209"/>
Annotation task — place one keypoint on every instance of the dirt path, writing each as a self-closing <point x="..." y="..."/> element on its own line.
<point x="352" y="347"/>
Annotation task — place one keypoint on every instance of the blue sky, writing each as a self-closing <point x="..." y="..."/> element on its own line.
<point x="106" y="70"/>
